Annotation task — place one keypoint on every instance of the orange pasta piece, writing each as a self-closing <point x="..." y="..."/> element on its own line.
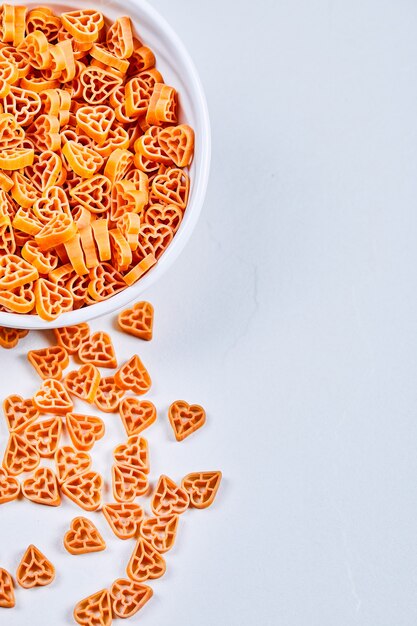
<point x="128" y="483"/>
<point x="19" y="24"/>
<point x="98" y="349"/>
<point x="128" y="597"/>
<point x="168" y="498"/>
<point x="98" y="84"/>
<point x="185" y="418"/>
<point x="49" y="362"/>
<point x="19" y="455"/>
<point x="83" y="537"/>
<point x="124" y="518"/>
<point x="105" y="281"/>
<point x="44" y="20"/>
<point x="83" y="160"/>
<point x="23" y="190"/>
<point x="101" y="237"/>
<point x="138" y="320"/>
<point x="150" y="147"/>
<point x="43" y="260"/>
<point x="121" y="251"/>
<point x="71" y="337"/>
<point x="95" y="609"/>
<point x="202" y="488"/>
<point x="76" y="254"/>
<point x="145" y="562"/>
<point x="19" y="413"/>
<point x="126" y="198"/>
<point x="118" y="164"/>
<point x="52" y="397"/>
<point x="46" y="174"/>
<point x="160" y="532"/>
<point x="35" y="49"/>
<point x="133" y="453"/>
<point x="42" y="487"/>
<point x="169" y="215"/>
<point x="34" y="569"/>
<point x="120" y="38"/>
<point x="136" y="414"/>
<point x="51" y="299"/>
<point x="44" y="133"/>
<point x="84" y="430"/>
<point x="133" y="376"/>
<point x="83" y="382"/>
<point x="162" y="105"/>
<point x="129" y="227"/>
<point x="108" y="395"/>
<point x="84" y="489"/>
<point x="89" y="247"/>
<point x="70" y="462"/>
<point x="44" y="436"/>
<point x="6" y="183"/>
<point x="178" y="144"/>
<point x="137" y="97"/>
<point x="16" y="158"/>
<point x="94" y="194"/>
<point x="11" y="133"/>
<point x="96" y="121"/>
<point x="140" y="269"/>
<point x="83" y="25"/>
<point x="108" y="59"/>
<point x="60" y="229"/>
<point x="15" y="272"/>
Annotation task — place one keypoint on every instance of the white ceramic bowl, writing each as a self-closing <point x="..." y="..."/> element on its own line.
<point x="178" y="70"/>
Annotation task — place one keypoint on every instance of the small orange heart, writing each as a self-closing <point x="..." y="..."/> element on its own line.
<point x="19" y="413"/>
<point x="136" y="414"/>
<point x="19" y="455"/>
<point x="98" y="350"/>
<point x="185" y="418"/>
<point x="133" y="376"/>
<point x="84" y="430"/>
<point x="138" y="321"/>
<point x="42" y="487"/>
<point x="145" y="562"/>
<point x="34" y="570"/>
<point x="108" y="395"/>
<point x="160" y="531"/>
<point x="128" y="597"/>
<point x="69" y="463"/>
<point x="124" y="518"/>
<point x="45" y="435"/>
<point x="133" y="453"/>
<point x="83" y="382"/>
<point x="83" y="537"/>
<point x="178" y="143"/>
<point x="84" y="489"/>
<point x="202" y="488"/>
<point x="128" y="483"/>
<point x="71" y="337"/>
<point x="52" y="398"/>
<point x="168" y="498"/>
<point x="49" y="362"/>
<point x="94" y="610"/>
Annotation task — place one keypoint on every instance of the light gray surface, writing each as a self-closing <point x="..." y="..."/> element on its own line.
<point x="291" y="315"/>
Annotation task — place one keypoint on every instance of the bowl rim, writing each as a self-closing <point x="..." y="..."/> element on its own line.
<point x="131" y="293"/>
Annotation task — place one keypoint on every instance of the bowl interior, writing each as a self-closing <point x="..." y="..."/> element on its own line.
<point x="178" y="70"/>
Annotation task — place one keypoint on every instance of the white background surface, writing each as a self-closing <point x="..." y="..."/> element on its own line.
<point x="291" y="316"/>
